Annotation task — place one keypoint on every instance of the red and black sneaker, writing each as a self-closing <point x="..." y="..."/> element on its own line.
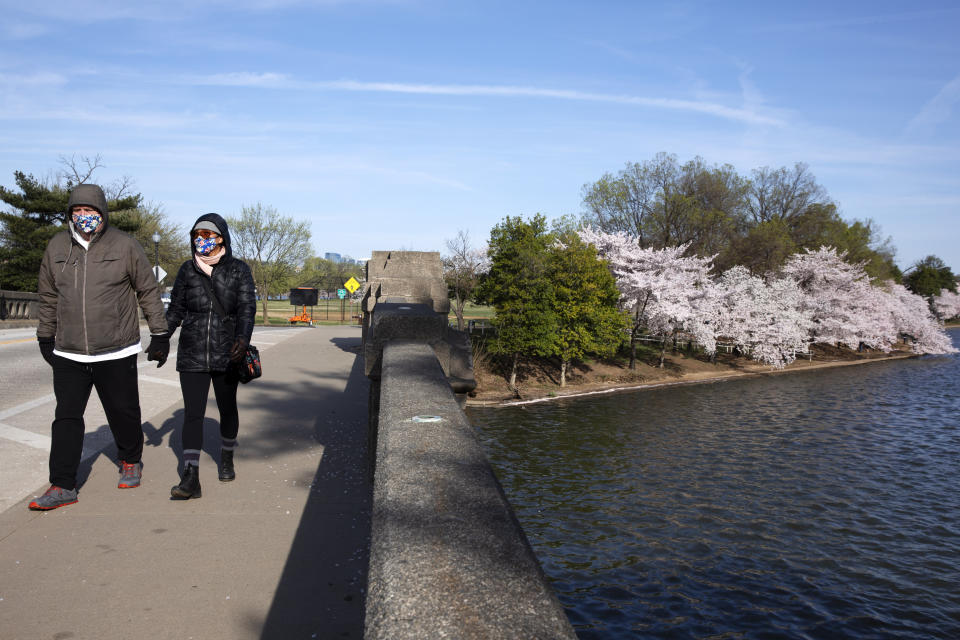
<point x="130" y="473"/>
<point x="53" y="498"/>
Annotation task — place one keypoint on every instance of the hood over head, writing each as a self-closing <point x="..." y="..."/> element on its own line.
<point x="89" y="195"/>
<point x="213" y="222"/>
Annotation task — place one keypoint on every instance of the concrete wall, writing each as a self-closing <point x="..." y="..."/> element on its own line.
<point x="18" y="309"/>
<point x="448" y="558"/>
<point x="18" y="305"/>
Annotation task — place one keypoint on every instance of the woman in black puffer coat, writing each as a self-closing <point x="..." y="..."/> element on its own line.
<point x="210" y="346"/>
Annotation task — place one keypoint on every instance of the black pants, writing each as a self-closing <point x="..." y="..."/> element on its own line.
<point x="116" y="383"/>
<point x="196" y="386"/>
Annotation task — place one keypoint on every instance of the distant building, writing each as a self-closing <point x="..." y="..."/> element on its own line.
<point x="332" y="257"/>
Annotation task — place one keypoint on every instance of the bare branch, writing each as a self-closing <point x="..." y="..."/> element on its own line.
<point x="74" y="173"/>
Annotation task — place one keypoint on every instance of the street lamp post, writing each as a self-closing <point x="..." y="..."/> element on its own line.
<point x="156" y="254"/>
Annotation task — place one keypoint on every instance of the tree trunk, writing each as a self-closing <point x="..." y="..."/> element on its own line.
<point x="513" y="373"/>
<point x="563" y="373"/>
<point x="263" y="300"/>
<point x="663" y="351"/>
<point x="633" y="339"/>
<point x="458" y="306"/>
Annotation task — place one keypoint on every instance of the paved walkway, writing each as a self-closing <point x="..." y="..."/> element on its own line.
<point x="279" y="553"/>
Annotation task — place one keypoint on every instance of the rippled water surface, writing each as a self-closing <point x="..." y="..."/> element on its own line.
<point x="807" y="505"/>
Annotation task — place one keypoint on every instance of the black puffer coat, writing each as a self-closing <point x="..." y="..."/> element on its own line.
<point x="205" y="339"/>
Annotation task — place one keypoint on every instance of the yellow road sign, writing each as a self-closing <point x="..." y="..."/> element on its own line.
<point x="351" y="285"/>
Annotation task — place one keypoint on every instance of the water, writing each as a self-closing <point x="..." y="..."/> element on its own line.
<point x="808" y="505"/>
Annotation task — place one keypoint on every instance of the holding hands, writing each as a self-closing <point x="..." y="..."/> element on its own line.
<point x="159" y="349"/>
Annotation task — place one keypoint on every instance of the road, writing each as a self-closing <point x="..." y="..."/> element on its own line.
<point x="27" y="406"/>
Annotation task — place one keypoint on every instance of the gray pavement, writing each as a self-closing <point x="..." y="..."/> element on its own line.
<point x="279" y="553"/>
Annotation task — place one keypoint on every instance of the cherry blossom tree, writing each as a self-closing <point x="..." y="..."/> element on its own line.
<point x="913" y="319"/>
<point x="947" y="304"/>
<point x="766" y="320"/>
<point x="839" y="298"/>
<point x="665" y="292"/>
<point x="846" y="309"/>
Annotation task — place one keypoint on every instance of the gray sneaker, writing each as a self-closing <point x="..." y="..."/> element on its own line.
<point x="54" y="497"/>
<point x="130" y="475"/>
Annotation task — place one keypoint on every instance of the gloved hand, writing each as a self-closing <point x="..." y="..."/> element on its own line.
<point x="238" y="350"/>
<point x="159" y="349"/>
<point x="46" y="349"/>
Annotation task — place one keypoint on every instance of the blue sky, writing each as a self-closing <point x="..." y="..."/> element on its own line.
<point x="394" y="124"/>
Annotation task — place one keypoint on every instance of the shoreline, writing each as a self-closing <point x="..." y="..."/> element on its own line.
<point x="748" y="371"/>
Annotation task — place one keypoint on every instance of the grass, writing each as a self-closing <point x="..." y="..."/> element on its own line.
<point x="325" y="312"/>
<point x="473" y="312"/>
<point x="328" y="312"/>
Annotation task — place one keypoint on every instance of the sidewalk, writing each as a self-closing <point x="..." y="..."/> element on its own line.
<point x="281" y="552"/>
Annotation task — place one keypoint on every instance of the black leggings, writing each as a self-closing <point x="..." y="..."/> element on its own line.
<point x="195" y="386"/>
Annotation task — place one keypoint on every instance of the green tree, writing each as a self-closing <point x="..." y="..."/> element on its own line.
<point x="784" y="194"/>
<point x="519" y="289"/>
<point x="274" y="246"/>
<point x="325" y="275"/>
<point x="928" y="277"/>
<point x="174" y="245"/>
<point x="38" y="213"/>
<point x="663" y="203"/>
<point x="585" y="298"/>
<point x="763" y="249"/>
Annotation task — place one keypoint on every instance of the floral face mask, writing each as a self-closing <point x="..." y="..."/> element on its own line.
<point x="87" y="222"/>
<point x="205" y="246"/>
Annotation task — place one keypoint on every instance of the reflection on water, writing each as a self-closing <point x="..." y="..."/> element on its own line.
<point x="808" y="505"/>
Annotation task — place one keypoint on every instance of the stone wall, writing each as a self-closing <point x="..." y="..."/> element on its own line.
<point x="18" y="308"/>
<point x="448" y="558"/>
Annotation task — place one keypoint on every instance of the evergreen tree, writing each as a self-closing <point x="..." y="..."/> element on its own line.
<point x="39" y="212"/>
<point x="930" y="276"/>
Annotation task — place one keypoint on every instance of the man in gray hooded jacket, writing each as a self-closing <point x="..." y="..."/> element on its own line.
<point x="93" y="278"/>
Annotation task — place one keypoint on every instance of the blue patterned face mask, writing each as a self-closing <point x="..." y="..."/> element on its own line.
<point x="87" y="222"/>
<point x="205" y="246"/>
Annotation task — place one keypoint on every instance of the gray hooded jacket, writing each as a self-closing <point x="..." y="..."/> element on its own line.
<point x="89" y="297"/>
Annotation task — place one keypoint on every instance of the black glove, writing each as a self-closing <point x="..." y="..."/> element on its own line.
<point x="238" y="350"/>
<point x="159" y="349"/>
<point x="46" y="349"/>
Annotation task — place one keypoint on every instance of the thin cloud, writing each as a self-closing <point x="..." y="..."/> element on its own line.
<point x="44" y="79"/>
<point x="89" y="12"/>
<point x="857" y="21"/>
<point x="138" y="119"/>
<point x="938" y="110"/>
<point x="714" y="109"/>
<point x="282" y="81"/>
<point x="248" y="79"/>
<point x="23" y="30"/>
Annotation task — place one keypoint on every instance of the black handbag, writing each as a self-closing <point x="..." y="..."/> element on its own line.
<point x="249" y="366"/>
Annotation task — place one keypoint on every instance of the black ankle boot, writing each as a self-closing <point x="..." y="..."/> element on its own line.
<point x="226" y="466"/>
<point x="189" y="486"/>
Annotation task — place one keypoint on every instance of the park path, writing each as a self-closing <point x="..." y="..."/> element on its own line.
<point x="279" y="553"/>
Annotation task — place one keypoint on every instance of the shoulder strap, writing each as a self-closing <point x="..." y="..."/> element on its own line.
<point x="208" y="283"/>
